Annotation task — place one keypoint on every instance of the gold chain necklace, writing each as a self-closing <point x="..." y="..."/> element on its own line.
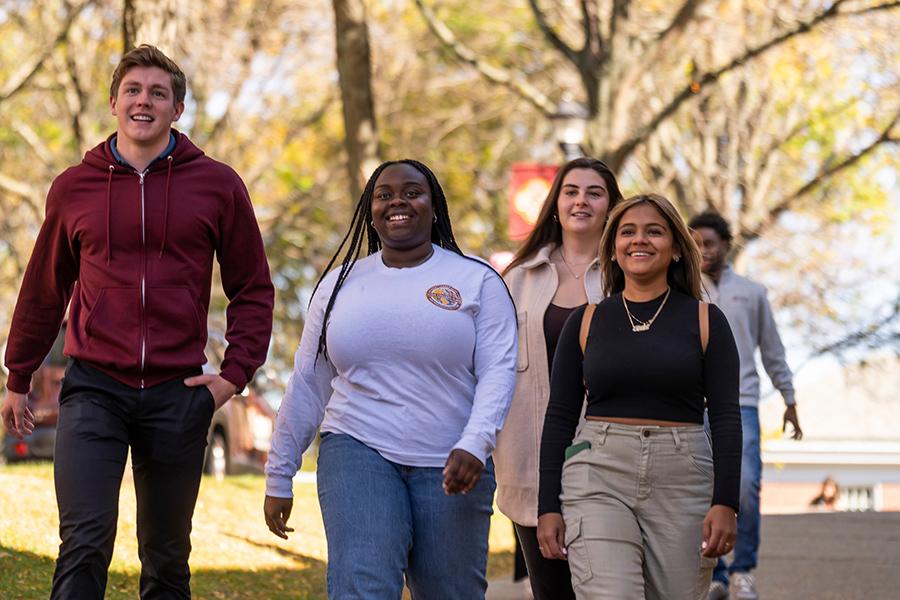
<point x="636" y="324"/>
<point x="565" y="262"/>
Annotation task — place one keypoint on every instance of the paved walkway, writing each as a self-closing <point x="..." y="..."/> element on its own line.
<point x="833" y="556"/>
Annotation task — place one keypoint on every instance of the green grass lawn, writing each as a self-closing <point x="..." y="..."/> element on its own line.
<point x="234" y="555"/>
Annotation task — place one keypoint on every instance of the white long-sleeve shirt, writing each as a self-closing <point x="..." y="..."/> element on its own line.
<point x="421" y="361"/>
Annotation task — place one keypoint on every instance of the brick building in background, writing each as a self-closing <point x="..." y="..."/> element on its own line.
<point x="851" y="423"/>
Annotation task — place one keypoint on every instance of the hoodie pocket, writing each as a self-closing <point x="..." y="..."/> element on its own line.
<point x="176" y="336"/>
<point x="113" y="328"/>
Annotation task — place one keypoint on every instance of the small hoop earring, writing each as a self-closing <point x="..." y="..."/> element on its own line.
<point x="555" y="218"/>
<point x="434" y="220"/>
<point x="677" y="258"/>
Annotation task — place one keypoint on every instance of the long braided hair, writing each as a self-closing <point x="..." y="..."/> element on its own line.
<point x="441" y="234"/>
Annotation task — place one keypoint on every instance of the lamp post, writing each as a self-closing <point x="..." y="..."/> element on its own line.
<point x="569" y="124"/>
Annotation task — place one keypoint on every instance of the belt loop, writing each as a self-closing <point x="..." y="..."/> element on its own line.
<point x="677" y="438"/>
<point x="601" y="437"/>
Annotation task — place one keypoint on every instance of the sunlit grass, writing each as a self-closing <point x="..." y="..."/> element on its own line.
<point x="234" y="555"/>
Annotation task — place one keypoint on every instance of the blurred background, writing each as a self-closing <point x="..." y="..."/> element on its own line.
<point x="783" y="116"/>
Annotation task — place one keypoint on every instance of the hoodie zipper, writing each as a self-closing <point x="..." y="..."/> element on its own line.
<point x="143" y="280"/>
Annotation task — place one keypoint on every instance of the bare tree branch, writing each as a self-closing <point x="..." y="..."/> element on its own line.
<point x="20" y="188"/>
<point x="34" y="141"/>
<point x="31" y="193"/>
<point x="514" y="82"/>
<point x="628" y="146"/>
<point x="592" y="51"/>
<point x="244" y="64"/>
<point x="863" y="334"/>
<point x="870" y="9"/>
<point x="684" y="16"/>
<point x="551" y="35"/>
<point x="634" y="71"/>
<point x="27" y="71"/>
<point x="824" y="174"/>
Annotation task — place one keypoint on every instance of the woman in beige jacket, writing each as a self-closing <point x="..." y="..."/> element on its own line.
<point x="554" y="271"/>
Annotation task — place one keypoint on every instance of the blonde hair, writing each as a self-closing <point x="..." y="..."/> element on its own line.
<point x="682" y="275"/>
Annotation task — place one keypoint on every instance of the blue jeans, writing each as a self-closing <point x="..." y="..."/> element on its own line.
<point x="384" y="520"/>
<point x="746" y="548"/>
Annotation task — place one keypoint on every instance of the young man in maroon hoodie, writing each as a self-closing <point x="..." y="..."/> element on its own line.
<point x="129" y="238"/>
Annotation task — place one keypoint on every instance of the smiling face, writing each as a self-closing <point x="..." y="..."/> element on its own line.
<point x="145" y="108"/>
<point x="402" y="213"/>
<point x="644" y="243"/>
<point x="583" y="202"/>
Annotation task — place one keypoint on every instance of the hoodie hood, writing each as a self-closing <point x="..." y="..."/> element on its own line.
<point x="103" y="157"/>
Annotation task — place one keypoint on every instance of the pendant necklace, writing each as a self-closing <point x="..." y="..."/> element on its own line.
<point x="568" y="268"/>
<point x="636" y="324"/>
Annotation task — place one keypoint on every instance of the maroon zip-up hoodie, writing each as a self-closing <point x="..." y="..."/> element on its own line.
<point x="134" y="252"/>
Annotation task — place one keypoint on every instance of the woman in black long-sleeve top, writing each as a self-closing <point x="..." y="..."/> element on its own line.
<point x="640" y="502"/>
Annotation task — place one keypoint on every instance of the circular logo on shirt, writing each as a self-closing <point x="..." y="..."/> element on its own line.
<point x="444" y="296"/>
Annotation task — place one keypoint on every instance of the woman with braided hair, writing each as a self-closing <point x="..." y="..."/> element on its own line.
<point x="407" y="366"/>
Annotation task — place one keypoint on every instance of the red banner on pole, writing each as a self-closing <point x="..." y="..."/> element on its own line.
<point x="528" y="188"/>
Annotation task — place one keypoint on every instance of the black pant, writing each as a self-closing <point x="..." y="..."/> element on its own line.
<point x="520" y="569"/>
<point x="550" y="578"/>
<point x="166" y="427"/>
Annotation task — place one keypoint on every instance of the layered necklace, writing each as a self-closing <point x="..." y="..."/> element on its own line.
<point x="638" y="325"/>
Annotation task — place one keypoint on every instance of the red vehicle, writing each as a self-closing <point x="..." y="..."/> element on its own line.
<point x="240" y="435"/>
<point x="239" y="438"/>
<point x="43" y="400"/>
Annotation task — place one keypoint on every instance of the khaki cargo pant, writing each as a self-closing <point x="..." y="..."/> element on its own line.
<point x="634" y="504"/>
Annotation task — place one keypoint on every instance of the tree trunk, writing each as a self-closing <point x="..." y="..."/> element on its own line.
<point x="354" y="69"/>
<point x="150" y="22"/>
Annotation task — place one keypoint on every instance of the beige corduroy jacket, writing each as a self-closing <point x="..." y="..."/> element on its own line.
<point x="516" y="458"/>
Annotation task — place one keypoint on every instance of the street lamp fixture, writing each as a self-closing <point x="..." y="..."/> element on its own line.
<point x="570" y="125"/>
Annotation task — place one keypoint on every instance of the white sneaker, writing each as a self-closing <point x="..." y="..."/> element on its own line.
<point x="743" y="587"/>
<point x="717" y="591"/>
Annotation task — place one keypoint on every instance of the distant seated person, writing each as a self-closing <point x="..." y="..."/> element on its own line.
<point x="828" y="496"/>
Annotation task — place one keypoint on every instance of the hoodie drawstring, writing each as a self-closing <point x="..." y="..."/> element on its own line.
<point x="108" y="214"/>
<point x="162" y="247"/>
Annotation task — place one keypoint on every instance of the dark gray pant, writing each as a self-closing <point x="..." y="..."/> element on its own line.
<point x="166" y="427"/>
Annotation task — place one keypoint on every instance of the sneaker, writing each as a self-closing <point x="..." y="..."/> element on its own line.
<point x="717" y="591"/>
<point x="743" y="587"/>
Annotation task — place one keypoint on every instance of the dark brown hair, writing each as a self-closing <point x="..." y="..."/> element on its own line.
<point x="146" y="55"/>
<point x="683" y="275"/>
<point x="547" y="230"/>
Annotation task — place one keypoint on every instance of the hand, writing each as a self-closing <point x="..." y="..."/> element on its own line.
<point x="719" y="531"/>
<point x="461" y="472"/>
<point x="551" y="536"/>
<point x="790" y="416"/>
<point x="17" y="417"/>
<point x="221" y="389"/>
<point x="277" y="511"/>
